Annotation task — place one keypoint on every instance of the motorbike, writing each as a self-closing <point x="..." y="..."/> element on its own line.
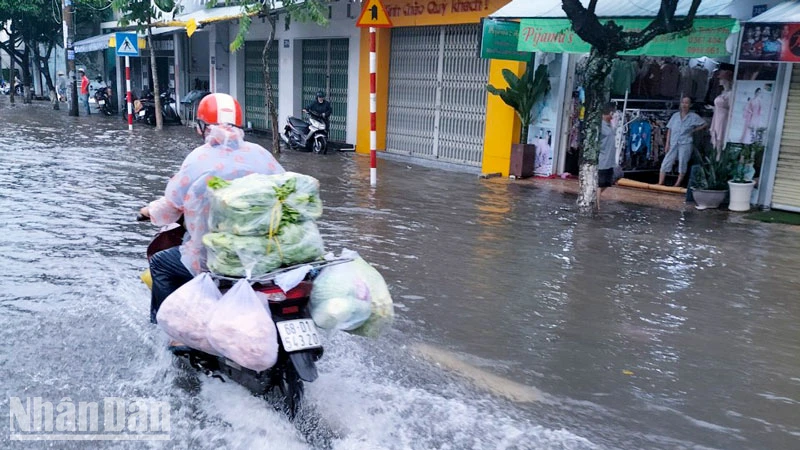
<point x="145" y="111"/>
<point x="309" y="136"/>
<point x="299" y="342"/>
<point x="102" y="97"/>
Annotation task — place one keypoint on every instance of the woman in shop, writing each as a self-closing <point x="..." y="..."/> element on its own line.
<point x="682" y="125"/>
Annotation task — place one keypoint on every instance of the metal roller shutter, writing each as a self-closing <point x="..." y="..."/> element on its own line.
<point x="325" y="66"/>
<point x="255" y="99"/>
<point x="786" y="192"/>
<point x="437" y="94"/>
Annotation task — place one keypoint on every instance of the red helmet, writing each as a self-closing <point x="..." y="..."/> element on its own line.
<point x="219" y="109"/>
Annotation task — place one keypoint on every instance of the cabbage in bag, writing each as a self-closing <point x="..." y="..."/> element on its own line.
<point x="258" y="204"/>
<point x="242" y="330"/>
<point x="353" y="297"/>
<point x="184" y="315"/>
<point x="232" y="255"/>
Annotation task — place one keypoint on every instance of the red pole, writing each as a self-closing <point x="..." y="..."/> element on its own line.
<point x="373" y="133"/>
<point x="128" y="88"/>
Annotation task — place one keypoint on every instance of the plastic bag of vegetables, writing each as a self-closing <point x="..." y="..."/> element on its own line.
<point x="233" y="255"/>
<point x="184" y="315"/>
<point x="260" y="204"/>
<point x="353" y="297"/>
<point x="242" y="330"/>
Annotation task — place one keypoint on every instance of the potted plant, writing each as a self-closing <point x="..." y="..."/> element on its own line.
<point x="741" y="183"/>
<point x="710" y="178"/>
<point x="522" y="94"/>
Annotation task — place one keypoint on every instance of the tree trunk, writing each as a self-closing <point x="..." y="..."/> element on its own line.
<point x="154" y="73"/>
<point x="26" y="75"/>
<point x="11" y="73"/>
<point x="272" y="112"/>
<point x="597" y="71"/>
<point x="45" y="64"/>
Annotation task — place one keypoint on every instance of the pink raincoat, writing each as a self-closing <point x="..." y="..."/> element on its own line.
<point x="226" y="155"/>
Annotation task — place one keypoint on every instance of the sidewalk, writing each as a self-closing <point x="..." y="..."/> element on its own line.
<point x="666" y="200"/>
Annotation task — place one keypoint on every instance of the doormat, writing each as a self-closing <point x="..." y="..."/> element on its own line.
<point x="788" y="218"/>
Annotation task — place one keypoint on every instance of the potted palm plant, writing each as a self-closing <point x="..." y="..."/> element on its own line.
<point x="741" y="183"/>
<point x="710" y="178"/>
<point x="522" y="94"/>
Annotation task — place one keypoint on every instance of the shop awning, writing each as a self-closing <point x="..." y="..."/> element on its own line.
<point x="551" y="9"/>
<point x="787" y="12"/>
<point x="104" y="41"/>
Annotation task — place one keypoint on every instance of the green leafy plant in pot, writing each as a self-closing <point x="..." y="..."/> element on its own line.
<point x="741" y="183"/>
<point x="522" y="94"/>
<point x="710" y="177"/>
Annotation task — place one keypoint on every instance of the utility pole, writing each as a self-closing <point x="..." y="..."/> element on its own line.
<point x="69" y="38"/>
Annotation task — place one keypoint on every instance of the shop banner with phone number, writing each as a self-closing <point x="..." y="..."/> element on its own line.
<point x="775" y="42"/>
<point x="707" y="38"/>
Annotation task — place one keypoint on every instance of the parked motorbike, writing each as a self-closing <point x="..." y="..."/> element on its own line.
<point x="145" y="110"/>
<point x="298" y="339"/>
<point x="309" y="136"/>
<point x="102" y="97"/>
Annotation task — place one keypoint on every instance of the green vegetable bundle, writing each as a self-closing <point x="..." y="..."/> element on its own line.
<point x="233" y="255"/>
<point x="260" y="204"/>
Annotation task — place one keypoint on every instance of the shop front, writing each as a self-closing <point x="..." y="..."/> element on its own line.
<point x="768" y="103"/>
<point x="646" y="84"/>
<point x="432" y="99"/>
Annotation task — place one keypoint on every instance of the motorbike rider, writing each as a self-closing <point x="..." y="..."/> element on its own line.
<point x="321" y="107"/>
<point x="224" y="154"/>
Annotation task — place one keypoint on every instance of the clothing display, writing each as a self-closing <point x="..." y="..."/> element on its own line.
<point x="623" y="73"/>
<point x="719" y="122"/>
<point x="670" y="80"/>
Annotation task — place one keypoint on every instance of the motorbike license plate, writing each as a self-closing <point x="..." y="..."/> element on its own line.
<point x="141" y="113"/>
<point x="299" y="334"/>
<point x="101" y="102"/>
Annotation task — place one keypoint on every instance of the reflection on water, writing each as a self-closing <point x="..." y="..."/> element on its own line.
<point x="641" y="328"/>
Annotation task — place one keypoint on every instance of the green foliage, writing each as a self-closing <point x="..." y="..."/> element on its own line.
<point x="141" y="13"/>
<point x="745" y="157"/>
<point x="315" y="11"/>
<point x="713" y="172"/>
<point x="523" y="93"/>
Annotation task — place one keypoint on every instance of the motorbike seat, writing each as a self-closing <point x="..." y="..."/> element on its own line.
<point x="298" y="123"/>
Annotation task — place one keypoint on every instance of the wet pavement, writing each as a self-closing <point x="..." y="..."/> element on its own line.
<point x="521" y="325"/>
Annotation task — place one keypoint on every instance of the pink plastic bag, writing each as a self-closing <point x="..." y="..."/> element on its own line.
<point x="242" y="330"/>
<point x="184" y="315"/>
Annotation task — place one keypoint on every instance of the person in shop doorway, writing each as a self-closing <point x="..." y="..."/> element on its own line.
<point x="321" y="107"/>
<point x="680" y="128"/>
<point x="608" y="152"/>
<point x="84" y="90"/>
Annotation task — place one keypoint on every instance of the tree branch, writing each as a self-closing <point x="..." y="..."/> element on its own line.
<point x="664" y="23"/>
<point x="592" y="6"/>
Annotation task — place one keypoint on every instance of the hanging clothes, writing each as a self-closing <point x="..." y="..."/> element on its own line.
<point x="670" y="80"/>
<point x="719" y="122"/>
<point x="623" y="73"/>
<point x="639" y="142"/>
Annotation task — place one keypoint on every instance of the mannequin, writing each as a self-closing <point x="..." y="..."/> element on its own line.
<point x="719" y="122"/>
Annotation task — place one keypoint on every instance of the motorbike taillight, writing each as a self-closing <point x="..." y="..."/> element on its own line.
<point x="287" y="303"/>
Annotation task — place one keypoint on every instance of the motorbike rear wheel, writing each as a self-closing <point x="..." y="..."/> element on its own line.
<point x="291" y="389"/>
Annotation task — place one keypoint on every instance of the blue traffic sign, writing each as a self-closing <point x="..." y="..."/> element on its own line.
<point x="127" y="44"/>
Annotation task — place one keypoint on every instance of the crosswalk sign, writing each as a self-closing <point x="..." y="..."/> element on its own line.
<point x="374" y="15"/>
<point x="127" y="44"/>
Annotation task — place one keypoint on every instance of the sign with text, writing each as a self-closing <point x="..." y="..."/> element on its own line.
<point x="707" y="38"/>
<point x="405" y="13"/>
<point x="499" y="41"/>
<point x="374" y="15"/>
<point x="773" y="42"/>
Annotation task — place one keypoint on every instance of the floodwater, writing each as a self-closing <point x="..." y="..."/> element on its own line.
<point x="521" y="325"/>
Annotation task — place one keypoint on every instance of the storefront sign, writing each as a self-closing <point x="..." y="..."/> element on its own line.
<point x="499" y="41"/>
<point x="775" y="42"/>
<point x="404" y="13"/>
<point x="707" y="38"/>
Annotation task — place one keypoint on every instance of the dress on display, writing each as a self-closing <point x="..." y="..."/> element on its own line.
<point x="719" y="122"/>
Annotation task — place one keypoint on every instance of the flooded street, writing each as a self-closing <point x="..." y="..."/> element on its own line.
<point x="520" y="324"/>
